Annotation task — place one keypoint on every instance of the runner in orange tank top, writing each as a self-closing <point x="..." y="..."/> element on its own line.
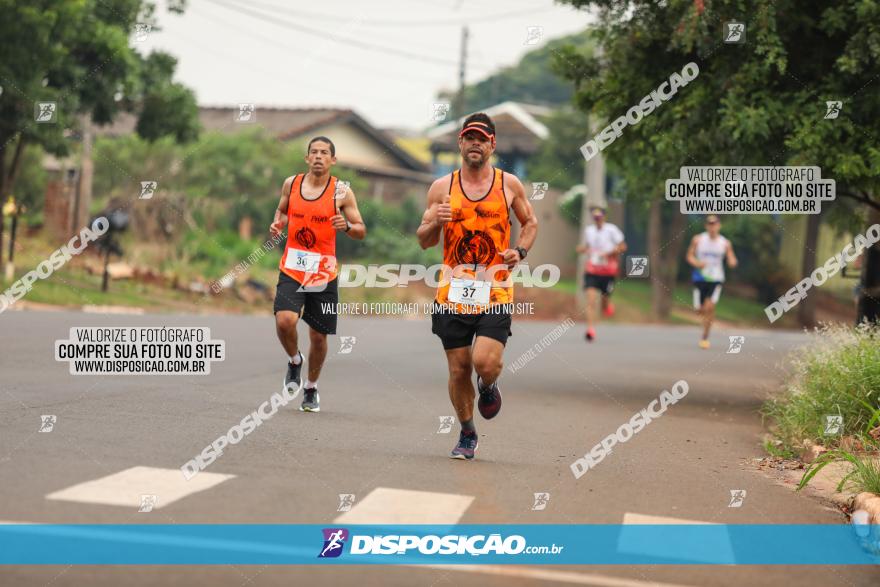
<point x="477" y="237"/>
<point x="471" y="209"/>
<point x="314" y="207"/>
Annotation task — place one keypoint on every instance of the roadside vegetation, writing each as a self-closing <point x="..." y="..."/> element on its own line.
<point x="832" y="399"/>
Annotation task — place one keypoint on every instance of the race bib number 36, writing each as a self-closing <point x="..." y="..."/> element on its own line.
<point x="470" y="292"/>
<point x="306" y="261"/>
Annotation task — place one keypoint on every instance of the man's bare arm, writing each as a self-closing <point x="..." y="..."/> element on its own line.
<point x="280" y="219"/>
<point x="437" y="212"/>
<point x="584" y="247"/>
<point x="348" y="210"/>
<point x="524" y="212"/>
<point x="731" y="257"/>
<point x="692" y="254"/>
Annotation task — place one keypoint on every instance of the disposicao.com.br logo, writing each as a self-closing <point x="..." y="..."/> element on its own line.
<point x="432" y="544"/>
<point x="334" y="542"/>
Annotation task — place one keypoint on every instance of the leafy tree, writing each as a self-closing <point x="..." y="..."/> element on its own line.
<point x="30" y="188"/>
<point x="216" y="181"/>
<point x="757" y="103"/>
<point x="242" y="171"/>
<point x="79" y="55"/>
<point x="531" y="80"/>
<point x="120" y="162"/>
<point x="558" y="160"/>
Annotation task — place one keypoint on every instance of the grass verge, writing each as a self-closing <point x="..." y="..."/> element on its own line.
<point x="832" y="398"/>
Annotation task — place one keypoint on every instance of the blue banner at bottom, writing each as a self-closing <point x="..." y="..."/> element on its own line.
<point x="526" y="544"/>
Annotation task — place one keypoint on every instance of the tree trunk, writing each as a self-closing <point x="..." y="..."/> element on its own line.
<point x="659" y="295"/>
<point x="3" y="144"/>
<point x="86" y="166"/>
<point x="869" y="301"/>
<point x="7" y="181"/>
<point x="664" y="256"/>
<point x="594" y="180"/>
<point x="10" y="262"/>
<point x="807" y="306"/>
<point x="12" y="235"/>
<point x="16" y="164"/>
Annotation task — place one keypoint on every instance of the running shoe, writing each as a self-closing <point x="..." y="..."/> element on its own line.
<point x="608" y="310"/>
<point x="704" y="344"/>
<point x="292" y="378"/>
<point x="466" y="447"/>
<point x="311" y="401"/>
<point x="591" y="334"/>
<point x="489" y="403"/>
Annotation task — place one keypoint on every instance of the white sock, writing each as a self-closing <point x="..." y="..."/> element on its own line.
<point x="296" y="359"/>
<point x="311" y="384"/>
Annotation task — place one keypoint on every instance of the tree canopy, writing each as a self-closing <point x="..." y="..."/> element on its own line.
<point x="81" y="55"/>
<point x="531" y="80"/>
<point x="761" y="102"/>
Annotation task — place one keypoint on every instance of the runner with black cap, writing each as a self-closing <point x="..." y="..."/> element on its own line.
<point x="314" y="206"/>
<point x="471" y="208"/>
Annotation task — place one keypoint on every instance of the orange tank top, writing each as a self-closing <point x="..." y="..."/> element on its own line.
<point x="310" y="254"/>
<point x="475" y="276"/>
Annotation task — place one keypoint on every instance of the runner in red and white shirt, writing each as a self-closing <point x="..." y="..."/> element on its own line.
<point x="603" y="244"/>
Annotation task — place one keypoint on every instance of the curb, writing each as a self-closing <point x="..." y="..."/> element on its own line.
<point x="26" y="306"/>
<point x="811" y="452"/>
<point x="869" y="502"/>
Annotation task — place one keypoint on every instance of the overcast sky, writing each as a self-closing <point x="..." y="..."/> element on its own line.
<point x="386" y="59"/>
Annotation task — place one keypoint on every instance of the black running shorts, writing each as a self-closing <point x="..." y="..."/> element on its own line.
<point x="604" y="283"/>
<point x="706" y="290"/>
<point x="459" y="330"/>
<point x="316" y="308"/>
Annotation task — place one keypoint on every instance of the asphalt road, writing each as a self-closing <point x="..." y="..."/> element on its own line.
<point x="382" y="405"/>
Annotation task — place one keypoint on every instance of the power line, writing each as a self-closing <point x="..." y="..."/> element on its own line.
<point x="302" y="81"/>
<point x="464" y="20"/>
<point x="325" y="34"/>
<point x="322" y="58"/>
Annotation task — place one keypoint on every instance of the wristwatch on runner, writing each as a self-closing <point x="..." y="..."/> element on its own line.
<point x="522" y="252"/>
<point x="347" y="225"/>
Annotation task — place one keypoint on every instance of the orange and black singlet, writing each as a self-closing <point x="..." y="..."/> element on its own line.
<point x="310" y="254"/>
<point x="472" y="245"/>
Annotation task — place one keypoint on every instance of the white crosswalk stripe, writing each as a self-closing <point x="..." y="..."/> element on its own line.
<point x="385" y="505"/>
<point x="125" y="488"/>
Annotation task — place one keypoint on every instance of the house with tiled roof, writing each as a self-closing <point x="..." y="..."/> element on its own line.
<point x="390" y="171"/>
<point x="519" y="129"/>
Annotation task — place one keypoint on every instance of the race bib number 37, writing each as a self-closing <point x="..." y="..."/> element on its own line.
<point x="470" y="292"/>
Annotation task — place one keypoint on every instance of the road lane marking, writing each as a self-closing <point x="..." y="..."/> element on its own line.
<point x="91" y="309"/>
<point x="632" y="518"/>
<point x="551" y="575"/>
<point x="386" y="505"/>
<point x="125" y="488"/>
<point x="631" y="542"/>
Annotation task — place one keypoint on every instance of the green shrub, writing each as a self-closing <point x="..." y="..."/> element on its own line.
<point x="391" y="236"/>
<point x="837" y="374"/>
